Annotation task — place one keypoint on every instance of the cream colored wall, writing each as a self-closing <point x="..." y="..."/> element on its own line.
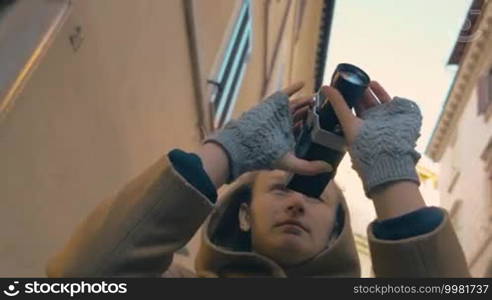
<point x="88" y="121"/>
<point x="472" y="187"/>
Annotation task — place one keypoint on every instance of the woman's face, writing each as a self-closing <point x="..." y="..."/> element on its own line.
<point x="287" y="226"/>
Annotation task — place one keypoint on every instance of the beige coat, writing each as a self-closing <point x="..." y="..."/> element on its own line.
<point x="136" y="233"/>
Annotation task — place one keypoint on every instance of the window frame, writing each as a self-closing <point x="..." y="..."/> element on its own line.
<point x="225" y="81"/>
<point x="484" y="94"/>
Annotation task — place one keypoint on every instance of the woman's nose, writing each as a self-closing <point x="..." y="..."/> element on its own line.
<point x="296" y="204"/>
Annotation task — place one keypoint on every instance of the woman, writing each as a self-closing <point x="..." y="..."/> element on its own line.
<point x="261" y="228"/>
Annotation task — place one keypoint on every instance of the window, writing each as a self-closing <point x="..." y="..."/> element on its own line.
<point x="454" y="178"/>
<point x="485" y="93"/>
<point x="487" y="158"/>
<point x="230" y="73"/>
<point x="456" y="215"/>
<point x="455" y="159"/>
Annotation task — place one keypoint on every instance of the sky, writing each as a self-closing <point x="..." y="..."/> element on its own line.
<point x="405" y="46"/>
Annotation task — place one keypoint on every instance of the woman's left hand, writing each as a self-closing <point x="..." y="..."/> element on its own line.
<point x="381" y="137"/>
<point x="351" y="124"/>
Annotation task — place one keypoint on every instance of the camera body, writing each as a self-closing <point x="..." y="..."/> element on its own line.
<point x="321" y="137"/>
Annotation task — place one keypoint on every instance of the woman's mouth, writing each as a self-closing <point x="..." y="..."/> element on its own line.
<point x="292" y="226"/>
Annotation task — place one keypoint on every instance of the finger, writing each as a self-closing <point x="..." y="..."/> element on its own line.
<point x="300" y="102"/>
<point x="296" y="165"/>
<point x="369" y="99"/>
<point x="293" y="88"/>
<point x="301" y="114"/>
<point x="296" y="130"/>
<point x="359" y="109"/>
<point x="343" y="112"/>
<point x="380" y="92"/>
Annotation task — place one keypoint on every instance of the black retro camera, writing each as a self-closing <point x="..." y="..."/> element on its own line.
<point x="321" y="137"/>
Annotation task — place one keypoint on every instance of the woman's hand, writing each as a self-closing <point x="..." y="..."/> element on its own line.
<point x="381" y="136"/>
<point x="351" y="124"/>
<point x="299" y="107"/>
<point x="262" y="138"/>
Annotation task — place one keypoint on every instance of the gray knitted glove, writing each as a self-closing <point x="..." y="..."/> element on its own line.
<point x="384" y="149"/>
<point x="259" y="138"/>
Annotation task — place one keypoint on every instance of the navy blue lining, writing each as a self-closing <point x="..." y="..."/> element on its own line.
<point x="190" y="166"/>
<point x="416" y="223"/>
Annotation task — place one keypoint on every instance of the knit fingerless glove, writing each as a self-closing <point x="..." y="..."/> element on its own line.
<point x="384" y="149"/>
<point x="259" y="137"/>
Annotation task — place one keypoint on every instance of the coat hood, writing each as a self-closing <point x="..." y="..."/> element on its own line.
<point x="225" y="249"/>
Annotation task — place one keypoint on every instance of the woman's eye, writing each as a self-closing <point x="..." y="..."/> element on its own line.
<point x="280" y="188"/>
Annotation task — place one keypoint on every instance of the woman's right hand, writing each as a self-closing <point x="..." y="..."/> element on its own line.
<point x="263" y="137"/>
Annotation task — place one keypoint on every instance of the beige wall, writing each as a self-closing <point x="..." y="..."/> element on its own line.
<point x="88" y="121"/>
<point x="473" y="218"/>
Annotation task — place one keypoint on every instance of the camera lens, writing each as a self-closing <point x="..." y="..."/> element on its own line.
<point x="347" y="77"/>
<point x="352" y="78"/>
<point x="351" y="82"/>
